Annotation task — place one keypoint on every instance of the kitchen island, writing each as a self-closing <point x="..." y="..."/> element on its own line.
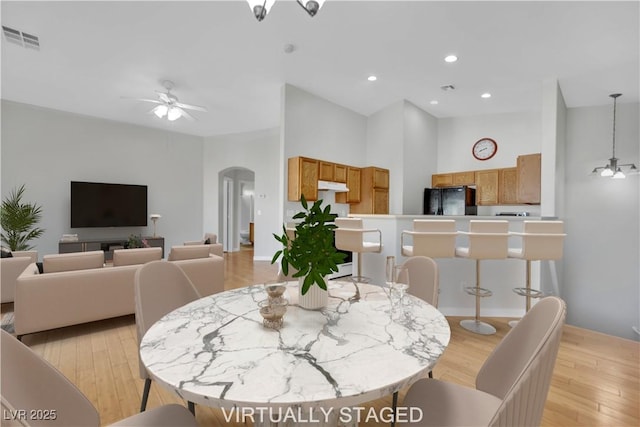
<point x="500" y="276"/>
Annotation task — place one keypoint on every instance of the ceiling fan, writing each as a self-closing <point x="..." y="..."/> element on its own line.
<point x="168" y="105"/>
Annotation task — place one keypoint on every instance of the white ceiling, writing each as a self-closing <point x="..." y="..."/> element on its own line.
<point x="94" y="53"/>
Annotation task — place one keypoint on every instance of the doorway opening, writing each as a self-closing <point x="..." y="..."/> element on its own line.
<point x="237" y="208"/>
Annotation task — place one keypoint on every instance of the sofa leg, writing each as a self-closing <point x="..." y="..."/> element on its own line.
<point x="145" y="394"/>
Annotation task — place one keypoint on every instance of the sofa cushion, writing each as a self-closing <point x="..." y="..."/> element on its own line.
<point x="136" y="256"/>
<point x="188" y="252"/>
<point x="73" y="261"/>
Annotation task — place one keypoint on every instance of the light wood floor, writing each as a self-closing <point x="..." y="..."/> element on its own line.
<point x="596" y="381"/>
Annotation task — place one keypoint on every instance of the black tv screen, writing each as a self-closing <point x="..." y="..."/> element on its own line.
<point x="95" y="204"/>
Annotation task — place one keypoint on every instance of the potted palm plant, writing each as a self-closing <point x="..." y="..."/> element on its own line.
<point x="311" y="252"/>
<point x="19" y="221"/>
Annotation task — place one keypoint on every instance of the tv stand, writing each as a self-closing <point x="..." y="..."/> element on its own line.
<point x="106" y="245"/>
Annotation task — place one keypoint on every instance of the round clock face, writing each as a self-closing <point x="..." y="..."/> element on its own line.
<point x="484" y="149"/>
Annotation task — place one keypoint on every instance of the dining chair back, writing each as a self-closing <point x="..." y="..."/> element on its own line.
<point x="519" y="369"/>
<point x="47" y="398"/>
<point x="513" y="383"/>
<point x="423" y="278"/>
<point x="160" y="287"/>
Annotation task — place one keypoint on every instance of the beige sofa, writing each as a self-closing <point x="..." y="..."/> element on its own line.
<point x="10" y="269"/>
<point x="215" y="248"/>
<point x="76" y="291"/>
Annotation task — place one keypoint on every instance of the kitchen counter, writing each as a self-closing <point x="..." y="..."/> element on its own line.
<point x="500" y="276"/>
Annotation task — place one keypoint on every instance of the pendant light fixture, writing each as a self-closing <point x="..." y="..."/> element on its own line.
<point x="613" y="169"/>
<point x="261" y="8"/>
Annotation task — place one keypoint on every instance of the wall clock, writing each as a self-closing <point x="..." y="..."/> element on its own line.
<point x="484" y="149"/>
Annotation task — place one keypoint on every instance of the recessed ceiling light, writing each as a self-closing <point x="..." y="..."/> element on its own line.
<point x="451" y="58"/>
<point x="434" y="102"/>
<point x="486" y="95"/>
<point x="372" y="78"/>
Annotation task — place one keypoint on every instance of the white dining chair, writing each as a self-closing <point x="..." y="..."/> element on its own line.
<point x="29" y="383"/>
<point x="159" y="287"/>
<point x="512" y="385"/>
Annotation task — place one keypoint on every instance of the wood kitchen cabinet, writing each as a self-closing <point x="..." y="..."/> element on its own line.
<point x="374" y="194"/>
<point x="302" y="178"/>
<point x="487" y="185"/>
<point x="354" y="176"/>
<point x="464" y="178"/>
<point x="528" y="179"/>
<point x="442" y="180"/>
<point x="326" y="171"/>
<point x="340" y="173"/>
<point x="508" y="186"/>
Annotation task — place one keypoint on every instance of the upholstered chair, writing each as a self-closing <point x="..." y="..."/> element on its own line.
<point x="159" y="287"/>
<point x="31" y="383"/>
<point x="513" y="383"/>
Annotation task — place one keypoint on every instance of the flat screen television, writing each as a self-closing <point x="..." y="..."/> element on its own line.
<point x="96" y="204"/>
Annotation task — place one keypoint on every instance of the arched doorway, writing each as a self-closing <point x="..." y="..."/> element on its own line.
<point x="236" y="210"/>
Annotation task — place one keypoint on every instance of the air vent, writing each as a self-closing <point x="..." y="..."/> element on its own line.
<point x="447" y="87"/>
<point x="21" y="38"/>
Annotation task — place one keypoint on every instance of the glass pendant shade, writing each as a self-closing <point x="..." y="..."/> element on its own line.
<point x="607" y="171"/>
<point x="619" y="174"/>
<point x="311" y="6"/>
<point x="260" y="8"/>
<point x="173" y="114"/>
<point x="160" y="111"/>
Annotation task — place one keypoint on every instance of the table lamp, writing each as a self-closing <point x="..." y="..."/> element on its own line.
<point x="155" y="218"/>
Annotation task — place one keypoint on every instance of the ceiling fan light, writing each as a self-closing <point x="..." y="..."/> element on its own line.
<point x="311" y="6"/>
<point x="174" y="114"/>
<point x="260" y="8"/>
<point x="160" y="111"/>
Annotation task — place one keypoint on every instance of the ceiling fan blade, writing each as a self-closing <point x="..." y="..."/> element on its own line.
<point x="190" y="107"/>
<point x="186" y="115"/>
<point x="163" y="96"/>
<point x="155" y="101"/>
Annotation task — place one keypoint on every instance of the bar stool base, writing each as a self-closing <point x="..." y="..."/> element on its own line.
<point x="478" y="327"/>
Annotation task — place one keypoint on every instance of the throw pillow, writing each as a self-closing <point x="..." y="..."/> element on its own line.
<point x="6" y="253"/>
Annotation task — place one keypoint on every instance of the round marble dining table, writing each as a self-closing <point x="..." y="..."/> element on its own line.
<point x="216" y="352"/>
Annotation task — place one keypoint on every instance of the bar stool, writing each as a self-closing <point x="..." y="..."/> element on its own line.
<point x="350" y="236"/>
<point x="541" y="240"/>
<point x="433" y="238"/>
<point x="487" y="240"/>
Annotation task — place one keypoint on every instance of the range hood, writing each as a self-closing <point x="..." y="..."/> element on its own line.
<point x="338" y="187"/>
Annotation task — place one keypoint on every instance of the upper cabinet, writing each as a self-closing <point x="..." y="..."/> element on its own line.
<point x="528" y="180"/>
<point x="303" y="178"/>
<point x="505" y="186"/>
<point x="442" y="180"/>
<point x="326" y="171"/>
<point x="354" y="180"/>
<point x="487" y="182"/>
<point x="374" y="192"/>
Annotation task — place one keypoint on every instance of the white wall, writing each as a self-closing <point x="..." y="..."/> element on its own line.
<point x="46" y="149"/>
<point x="515" y="133"/>
<point x="258" y="151"/>
<point x="385" y="148"/>
<point x="601" y="277"/>
<point x="420" y="157"/>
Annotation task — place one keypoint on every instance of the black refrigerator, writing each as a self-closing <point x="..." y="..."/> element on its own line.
<point x="450" y="201"/>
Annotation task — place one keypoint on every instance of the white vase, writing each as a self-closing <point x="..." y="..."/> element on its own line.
<point x="314" y="299"/>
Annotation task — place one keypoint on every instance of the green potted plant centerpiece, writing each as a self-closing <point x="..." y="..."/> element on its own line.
<point x="19" y="221"/>
<point x="311" y="252"/>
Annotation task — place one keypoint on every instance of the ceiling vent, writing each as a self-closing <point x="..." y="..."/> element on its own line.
<point x="447" y="88"/>
<point x="21" y="38"/>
